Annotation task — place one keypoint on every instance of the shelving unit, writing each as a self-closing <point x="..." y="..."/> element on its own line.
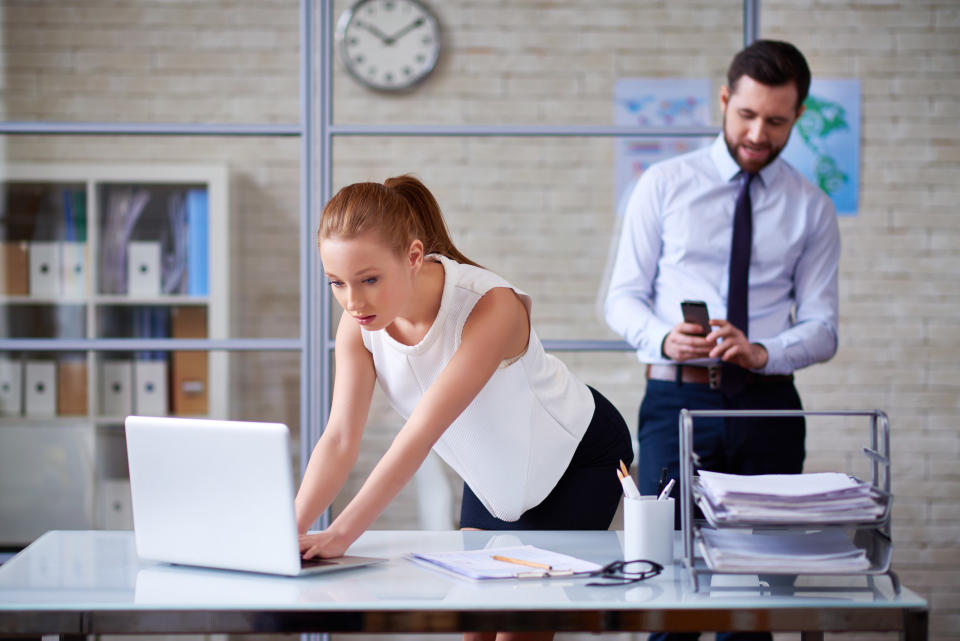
<point x="75" y="445"/>
<point x="874" y="537"/>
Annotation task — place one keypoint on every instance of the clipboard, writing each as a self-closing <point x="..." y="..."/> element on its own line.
<point x="480" y="565"/>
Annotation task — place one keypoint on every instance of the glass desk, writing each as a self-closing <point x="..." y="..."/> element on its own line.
<point x="91" y="582"/>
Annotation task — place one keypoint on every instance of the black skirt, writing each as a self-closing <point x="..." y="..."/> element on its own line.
<point x="587" y="495"/>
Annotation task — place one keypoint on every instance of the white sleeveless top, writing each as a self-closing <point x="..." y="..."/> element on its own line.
<point x="514" y="441"/>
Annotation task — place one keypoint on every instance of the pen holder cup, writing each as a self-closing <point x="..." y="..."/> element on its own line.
<point x="648" y="530"/>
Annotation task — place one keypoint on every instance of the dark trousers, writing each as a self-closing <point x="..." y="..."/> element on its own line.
<point x="735" y="446"/>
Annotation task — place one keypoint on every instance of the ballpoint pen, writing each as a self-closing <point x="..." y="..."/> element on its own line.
<point x="663" y="481"/>
<point x="666" y="490"/>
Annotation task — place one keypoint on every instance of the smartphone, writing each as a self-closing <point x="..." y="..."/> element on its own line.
<point x="695" y="311"/>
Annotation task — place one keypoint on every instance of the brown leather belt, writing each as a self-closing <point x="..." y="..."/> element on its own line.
<point x="707" y="375"/>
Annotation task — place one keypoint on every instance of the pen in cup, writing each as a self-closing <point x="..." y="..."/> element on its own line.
<point x="666" y="490"/>
<point x="629" y="487"/>
<point x="663" y="480"/>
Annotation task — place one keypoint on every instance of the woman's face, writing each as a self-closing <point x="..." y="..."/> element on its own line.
<point x="370" y="280"/>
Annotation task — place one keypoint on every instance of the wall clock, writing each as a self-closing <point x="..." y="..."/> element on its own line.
<point x="389" y="45"/>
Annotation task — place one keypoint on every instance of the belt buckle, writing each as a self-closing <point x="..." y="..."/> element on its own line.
<point x="713" y="376"/>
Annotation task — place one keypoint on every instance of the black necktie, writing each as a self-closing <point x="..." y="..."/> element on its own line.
<point x="732" y="376"/>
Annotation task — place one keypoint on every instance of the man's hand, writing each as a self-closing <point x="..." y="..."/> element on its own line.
<point x="686" y="341"/>
<point x="732" y="346"/>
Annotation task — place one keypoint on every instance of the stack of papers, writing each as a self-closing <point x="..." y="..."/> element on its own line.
<point x="528" y="561"/>
<point x="821" y="552"/>
<point x="788" y="499"/>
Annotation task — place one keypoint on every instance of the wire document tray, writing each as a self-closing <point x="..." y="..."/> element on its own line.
<point x="872" y="536"/>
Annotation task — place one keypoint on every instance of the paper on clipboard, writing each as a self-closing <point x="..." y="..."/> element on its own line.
<point x="480" y="564"/>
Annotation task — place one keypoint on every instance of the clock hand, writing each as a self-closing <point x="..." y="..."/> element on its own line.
<point x="410" y="27"/>
<point x="387" y="40"/>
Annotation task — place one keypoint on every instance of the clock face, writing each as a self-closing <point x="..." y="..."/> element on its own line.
<point x="389" y="45"/>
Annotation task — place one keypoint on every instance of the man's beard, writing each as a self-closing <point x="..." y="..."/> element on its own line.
<point x="774" y="152"/>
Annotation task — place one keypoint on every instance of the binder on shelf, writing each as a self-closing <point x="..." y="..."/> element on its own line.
<point x="72" y="387"/>
<point x="116" y="511"/>
<point x="150" y="378"/>
<point x="11" y="387"/>
<point x="75" y="215"/>
<point x="197" y="239"/>
<point x="116" y="393"/>
<point x="143" y="269"/>
<point x="190" y="372"/>
<point x="73" y="266"/>
<point x="14" y="268"/>
<point x="189" y="369"/>
<point x="189" y="322"/>
<point x="44" y="275"/>
<point x="40" y="388"/>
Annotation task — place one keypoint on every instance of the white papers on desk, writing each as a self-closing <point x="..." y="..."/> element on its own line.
<point x="480" y="564"/>
<point x="784" y="499"/>
<point x="825" y="551"/>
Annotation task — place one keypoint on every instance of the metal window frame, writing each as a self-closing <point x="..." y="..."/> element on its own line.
<point x="322" y="343"/>
<point x="316" y="131"/>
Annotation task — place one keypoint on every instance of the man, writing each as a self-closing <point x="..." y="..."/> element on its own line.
<point x="737" y="227"/>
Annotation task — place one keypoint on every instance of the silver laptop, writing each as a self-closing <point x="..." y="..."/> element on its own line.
<point x="217" y="494"/>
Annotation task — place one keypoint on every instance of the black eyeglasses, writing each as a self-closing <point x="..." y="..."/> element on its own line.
<point x="624" y="572"/>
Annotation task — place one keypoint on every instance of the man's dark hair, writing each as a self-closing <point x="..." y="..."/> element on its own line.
<point x="772" y="63"/>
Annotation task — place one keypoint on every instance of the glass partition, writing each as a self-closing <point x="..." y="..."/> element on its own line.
<point x="150" y="62"/>
<point x="541" y="212"/>
<point x="530" y="62"/>
<point x="63" y="460"/>
<point x="108" y="223"/>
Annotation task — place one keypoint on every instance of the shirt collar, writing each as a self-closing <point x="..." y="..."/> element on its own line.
<point x="728" y="168"/>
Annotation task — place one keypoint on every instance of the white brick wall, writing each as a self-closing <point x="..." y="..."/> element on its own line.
<point x="539" y="211"/>
<point x="899" y="347"/>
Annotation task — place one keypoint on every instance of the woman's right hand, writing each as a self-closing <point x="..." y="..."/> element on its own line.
<point x="325" y="545"/>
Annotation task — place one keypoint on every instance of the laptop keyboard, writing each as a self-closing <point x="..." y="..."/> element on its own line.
<point x="315" y="562"/>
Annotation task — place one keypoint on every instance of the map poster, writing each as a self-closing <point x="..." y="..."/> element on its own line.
<point x="825" y="143"/>
<point x="655" y="102"/>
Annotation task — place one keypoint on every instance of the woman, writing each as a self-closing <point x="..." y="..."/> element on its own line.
<point x="452" y="347"/>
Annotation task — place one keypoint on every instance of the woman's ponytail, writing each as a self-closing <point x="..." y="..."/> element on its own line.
<point x="430" y="224"/>
<point x="400" y="210"/>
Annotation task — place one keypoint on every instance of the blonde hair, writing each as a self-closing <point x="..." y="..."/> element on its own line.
<point x="400" y="210"/>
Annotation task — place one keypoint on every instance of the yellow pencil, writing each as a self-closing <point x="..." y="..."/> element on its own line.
<point x="530" y="564"/>
<point x="623" y="468"/>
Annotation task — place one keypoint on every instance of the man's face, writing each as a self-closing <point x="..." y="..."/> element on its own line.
<point x="757" y="120"/>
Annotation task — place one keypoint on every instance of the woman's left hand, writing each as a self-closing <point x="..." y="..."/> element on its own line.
<point x="325" y="545"/>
